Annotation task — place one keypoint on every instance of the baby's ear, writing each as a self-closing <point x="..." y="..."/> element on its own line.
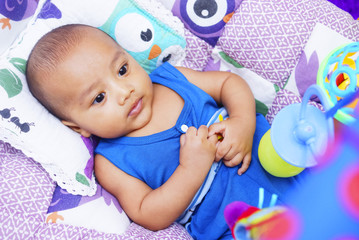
<point x="76" y="128"/>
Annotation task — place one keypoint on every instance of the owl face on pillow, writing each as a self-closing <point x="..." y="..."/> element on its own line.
<point x="205" y="18"/>
<point x="144" y="37"/>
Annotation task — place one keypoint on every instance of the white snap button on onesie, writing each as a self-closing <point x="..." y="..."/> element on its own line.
<point x="184" y="128"/>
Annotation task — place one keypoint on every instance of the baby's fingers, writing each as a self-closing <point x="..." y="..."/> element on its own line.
<point x="234" y="161"/>
<point x="182" y="139"/>
<point x="216" y="128"/>
<point x="213" y="139"/>
<point x="245" y="164"/>
<point x="202" y="131"/>
<point x="222" y="150"/>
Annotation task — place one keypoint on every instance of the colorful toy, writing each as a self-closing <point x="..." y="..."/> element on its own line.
<point x="338" y="75"/>
<point x="298" y="133"/>
<point x="325" y="207"/>
<point x="248" y="222"/>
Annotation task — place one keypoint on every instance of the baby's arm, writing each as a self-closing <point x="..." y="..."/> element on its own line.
<point x="156" y="209"/>
<point x="234" y="93"/>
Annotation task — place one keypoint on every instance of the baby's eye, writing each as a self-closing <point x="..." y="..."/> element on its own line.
<point x="122" y="70"/>
<point x="99" y="98"/>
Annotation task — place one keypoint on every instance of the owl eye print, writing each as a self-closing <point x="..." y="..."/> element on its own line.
<point x="204" y="13"/>
<point x="147" y="41"/>
<point x="205" y="18"/>
<point x="139" y="30"/>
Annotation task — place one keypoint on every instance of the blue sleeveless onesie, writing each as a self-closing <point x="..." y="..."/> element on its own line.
<point x="154" y="158"/>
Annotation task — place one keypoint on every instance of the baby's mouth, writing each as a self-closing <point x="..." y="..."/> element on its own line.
<point x="136" y="108"/>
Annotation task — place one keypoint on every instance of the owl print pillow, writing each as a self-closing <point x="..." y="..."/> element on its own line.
<point x="147" y="39"/>
<point x="204" y="18"/>
<point x="146" y="29"/>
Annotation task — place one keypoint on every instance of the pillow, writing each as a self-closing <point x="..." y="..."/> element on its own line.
<point x="198" y="52"/>
<point x="25" y="195"/>
<point x="264" y="91"/>
<point x="305" y="72"/>
<point x="14" y="16"/>
<point x="143" y="36"/>
<point x="205" y="19"/>
<point x="25" y="124"/>
<point x="268" y="37"/>
<point x="316" y="50"/>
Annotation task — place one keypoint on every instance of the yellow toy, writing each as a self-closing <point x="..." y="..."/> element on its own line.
<point x="300" y="132"/>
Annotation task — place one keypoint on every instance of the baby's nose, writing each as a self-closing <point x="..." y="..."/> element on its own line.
<point x="123" y="93"/>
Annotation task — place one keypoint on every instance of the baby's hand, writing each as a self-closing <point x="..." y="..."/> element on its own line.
<point x="197" y="149"/>
<point x="236" y="146"/>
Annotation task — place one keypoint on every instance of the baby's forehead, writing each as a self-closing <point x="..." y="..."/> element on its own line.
<point x="79" y="55"/>
<point x="95" y="33"/>
<point x="96" y="39"/>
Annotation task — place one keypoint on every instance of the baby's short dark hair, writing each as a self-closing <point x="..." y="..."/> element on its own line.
<point x="48" y="52"/>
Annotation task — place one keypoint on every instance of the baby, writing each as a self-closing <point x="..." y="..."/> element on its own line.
<point x="155" y="154"/>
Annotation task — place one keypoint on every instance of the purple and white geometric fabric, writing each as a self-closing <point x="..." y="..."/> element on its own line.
<point x="198" y="52"/>
<point x="25" y="190"/>
<point x="268" y="36"/>
<point x="283" y="99"/>
<point x="25" y="195"/>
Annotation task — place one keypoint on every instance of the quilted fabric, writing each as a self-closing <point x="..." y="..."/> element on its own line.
<point x="282" y="99"/>
<point x="26" y="192"/>
<point x="267" y="37"/>
<point x="198" y="52"/>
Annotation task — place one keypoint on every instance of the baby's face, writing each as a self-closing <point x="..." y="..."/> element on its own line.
<point x="107" y="93"/>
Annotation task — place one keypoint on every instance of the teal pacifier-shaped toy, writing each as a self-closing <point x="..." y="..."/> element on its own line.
<point x="299" y="132"/>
